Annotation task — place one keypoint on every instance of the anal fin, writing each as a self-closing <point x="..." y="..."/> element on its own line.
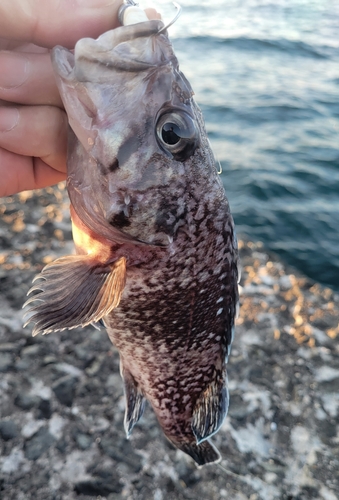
<point x="75" y="291"/>
<point x="135" y="401"/>
<point x="210" y="410"/>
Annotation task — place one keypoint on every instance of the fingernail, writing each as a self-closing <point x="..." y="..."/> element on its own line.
<point x="14" y="69"/>
<point x="9" y="118"/>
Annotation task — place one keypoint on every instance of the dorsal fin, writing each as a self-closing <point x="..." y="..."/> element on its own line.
<point x="210" y="410"/>
<point x="75" y="291"/>
<point x="135" y="401"/>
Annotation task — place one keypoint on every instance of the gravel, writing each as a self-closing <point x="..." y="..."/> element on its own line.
<point x="61" y="397"/>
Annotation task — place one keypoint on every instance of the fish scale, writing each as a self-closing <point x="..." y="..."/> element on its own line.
<point x="165" y="354"/>
<point x="156" y="254"/>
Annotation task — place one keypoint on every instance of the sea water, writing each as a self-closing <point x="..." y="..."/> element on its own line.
<point x="266" y="75"/>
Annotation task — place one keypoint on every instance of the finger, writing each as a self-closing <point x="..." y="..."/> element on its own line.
<point x="57" y="21"/>
<point x="39" y="131"/>
<point x="21" y="173"/>
<point x="27" y="78"/>
<point x="20" y="46"/>
<point x="152" y="14"/>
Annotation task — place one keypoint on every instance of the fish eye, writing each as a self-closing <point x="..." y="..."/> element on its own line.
<point x="176" y="132"/>
<point x="170" y="133"/>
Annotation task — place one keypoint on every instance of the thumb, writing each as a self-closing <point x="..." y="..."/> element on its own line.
<point x="53" y="22"/>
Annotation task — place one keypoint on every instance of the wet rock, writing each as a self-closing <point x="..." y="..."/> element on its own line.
<point x="45" y="409"/>
<point x="31" y="351"/>
<point x="121" y="451"/>
<point x="48" y="360"/>
<point x="8" y="347"/>
<point x="26" y="401"/>
<point x="23" y="365"/>
<point x="84" y="354"/>
<point x="6" y="361"/>
<point x="62" y="445"/>
<point x="94" y="368"/>
<point x="38" y="444"/>
<point x="98" y="486"/>
<point x="8" y="430"/>
<point x="68" y="369"/>
<point x="83" y="441"/>
<point x="64" y="389"/>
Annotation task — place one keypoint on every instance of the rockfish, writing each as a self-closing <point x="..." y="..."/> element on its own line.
<point x="156" y="254"/>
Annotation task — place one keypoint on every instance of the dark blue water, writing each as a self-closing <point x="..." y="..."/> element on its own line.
<point x="266" y="74"/>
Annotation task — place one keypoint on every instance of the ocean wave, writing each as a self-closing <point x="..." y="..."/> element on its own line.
<point x="260" y="114"/>
<point x="250" y="44"/>
<point x="268" y="88"/>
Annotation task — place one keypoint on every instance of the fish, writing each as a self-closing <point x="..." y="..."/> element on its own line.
<point x="156" y="259"/>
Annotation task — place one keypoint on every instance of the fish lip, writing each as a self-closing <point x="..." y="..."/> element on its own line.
<point x="100" y="48"/>
<point x="108" y="41"/>
<point x="64" y="59"/>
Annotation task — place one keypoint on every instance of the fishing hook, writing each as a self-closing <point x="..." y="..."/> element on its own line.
<point x="179" y="9"/>
<point x="131" y="3"/>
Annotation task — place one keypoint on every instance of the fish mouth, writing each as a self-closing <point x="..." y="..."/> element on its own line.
<point x="127" y="48"/>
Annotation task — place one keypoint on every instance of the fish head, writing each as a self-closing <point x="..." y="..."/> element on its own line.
<point x="136" y="129"/>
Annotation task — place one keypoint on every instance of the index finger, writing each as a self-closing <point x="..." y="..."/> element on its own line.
<point x="57" y="21"/>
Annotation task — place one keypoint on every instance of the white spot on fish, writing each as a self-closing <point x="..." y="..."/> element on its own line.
<point x="220" y="311"/>
<point x="127" y="199"/>
<point x="220" y="300"/>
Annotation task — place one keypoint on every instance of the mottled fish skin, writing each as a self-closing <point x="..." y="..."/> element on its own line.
<point x="156" y="251"/>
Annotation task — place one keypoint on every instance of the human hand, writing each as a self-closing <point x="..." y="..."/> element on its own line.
<point x="33" y="123"/>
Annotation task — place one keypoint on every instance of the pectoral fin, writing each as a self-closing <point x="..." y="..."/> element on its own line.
<point x="210" y="410"/>
<point x="135" y="401"/>
<point x="75" y="291"/>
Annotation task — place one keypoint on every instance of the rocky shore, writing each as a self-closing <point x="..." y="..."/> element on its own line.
<point x="61" y="397"/>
